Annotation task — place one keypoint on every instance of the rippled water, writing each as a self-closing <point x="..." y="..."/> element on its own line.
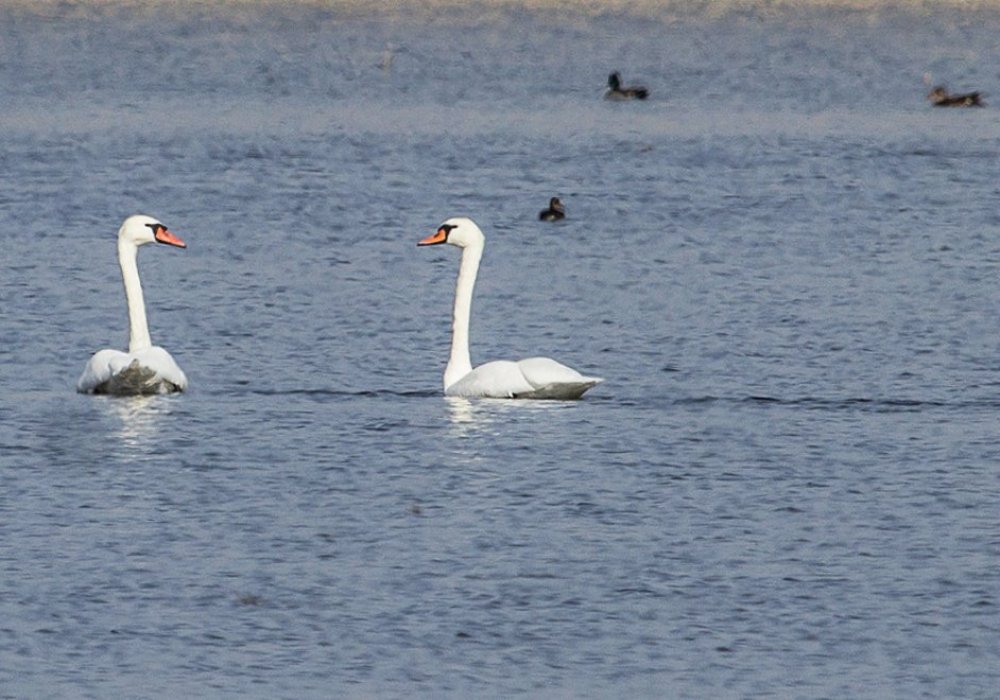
<point x="784" y="263"/>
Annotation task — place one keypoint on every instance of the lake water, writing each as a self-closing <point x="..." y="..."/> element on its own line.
<point x="784" y="263"/>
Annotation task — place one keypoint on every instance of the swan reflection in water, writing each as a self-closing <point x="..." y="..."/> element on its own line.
<point x="137" y="419"/>
<point x="492" y="416"/>
<point x="466" y="415"/>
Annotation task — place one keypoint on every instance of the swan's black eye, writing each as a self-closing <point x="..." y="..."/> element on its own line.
<point x="156" y="227"/>
<point x="447" y="228"/>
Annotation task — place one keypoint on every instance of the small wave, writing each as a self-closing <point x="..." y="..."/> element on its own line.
<point x="365" y="393"/>
<point x="820" y="403"/>
<point x="845" y="404"/>
<point x="864" y="403"/>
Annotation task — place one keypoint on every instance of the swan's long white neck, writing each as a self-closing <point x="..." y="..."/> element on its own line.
<point x="138" y="330"/>
<point x="460" y="364"/>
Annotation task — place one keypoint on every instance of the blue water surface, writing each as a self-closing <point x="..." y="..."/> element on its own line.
<point x="784" y="263"/>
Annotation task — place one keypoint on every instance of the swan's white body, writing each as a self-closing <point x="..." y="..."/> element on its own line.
<point x="533" y="378"/>
<point x="145" y="368"/>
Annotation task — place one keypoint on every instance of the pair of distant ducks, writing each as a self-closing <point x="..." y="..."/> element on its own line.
<point x="616" y="91"/>
<point x="149" y="369"/>
<point x="939" y="96"/>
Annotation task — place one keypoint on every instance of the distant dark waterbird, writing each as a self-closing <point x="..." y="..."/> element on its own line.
<point x="616" y="91"/>
<point x="939" y="97"/>
<point x="555" y="212"/>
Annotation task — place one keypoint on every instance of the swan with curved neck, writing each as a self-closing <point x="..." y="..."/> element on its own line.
<point x="533" y="378"/>
<point x="145" y="368"/>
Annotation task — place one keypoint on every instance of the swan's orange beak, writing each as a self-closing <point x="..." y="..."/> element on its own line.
<point x="162" y="235"/>
<point x="440" y="237"/>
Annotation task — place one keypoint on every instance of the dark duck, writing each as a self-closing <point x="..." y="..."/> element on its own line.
<point x="616" y="91"/>
<point x="555" y="212"/>
<point x="939" y="97"/>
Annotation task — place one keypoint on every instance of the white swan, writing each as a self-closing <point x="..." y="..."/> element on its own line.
<point x="145" y="368"/>
<point x="533" y="378"/>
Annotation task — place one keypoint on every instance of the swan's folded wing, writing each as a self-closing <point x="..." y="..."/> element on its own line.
<point x="553" y="380"/>
<point x="159" y="360"/>
<point x="542" y="371"/>
<point x="102" y="366"/>
<point x="500" y="379"/>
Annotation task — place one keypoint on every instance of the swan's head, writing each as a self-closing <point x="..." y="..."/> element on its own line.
<point x="615" y="81"/>
<point x="457" y="230"/>
<point x="141" y="229"/>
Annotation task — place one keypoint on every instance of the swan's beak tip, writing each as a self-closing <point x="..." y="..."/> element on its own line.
<point x="439" y="236"/>
<point x="164" y="236"/>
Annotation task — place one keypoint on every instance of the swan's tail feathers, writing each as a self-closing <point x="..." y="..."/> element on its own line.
<point x="136" y="380"/>
<point x="561" y="391"/>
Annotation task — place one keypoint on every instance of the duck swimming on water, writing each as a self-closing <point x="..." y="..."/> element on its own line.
<point x="939" y="97"/>
<point x="555" y="212"/>
<point x="617" y="92"/>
